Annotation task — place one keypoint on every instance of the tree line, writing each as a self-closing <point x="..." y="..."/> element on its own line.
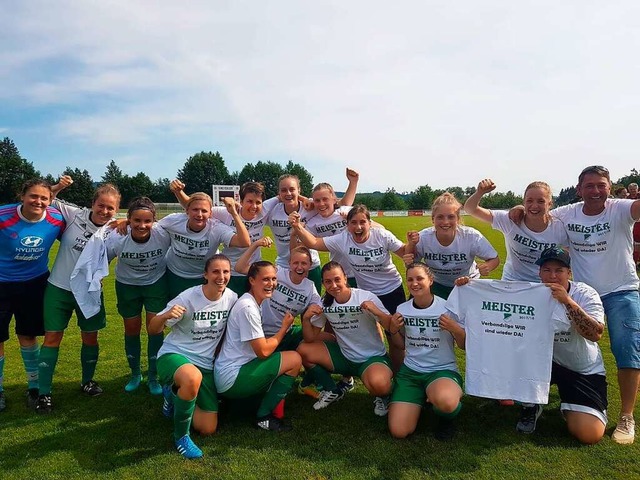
<point x="205" y="169"/>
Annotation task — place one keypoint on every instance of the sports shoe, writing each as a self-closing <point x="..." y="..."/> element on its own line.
<point x="327" y="397"/>
<point x="167" y="401"/>
<point x="346" y="384"/>
<point x="381" y="406"/>
<point x="44" y="404"/>
<point x="529" y="419"/>
<point x="3" y="401"/>
<point x="133" y="383"/>
<point x="445" y="429"/>
<point x="187" y="448"/>
<point x="310" y="390"/>
<point x="32" y="398"/>
<point x="91" y="388"/>
<point x="625" y="431"/>
<point x="272" y="424"/>
<point x="154" y="387"/>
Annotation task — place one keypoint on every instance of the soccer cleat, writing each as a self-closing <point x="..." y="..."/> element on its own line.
<point x="346" y="384"/>
<point x="272" y="424"/>
<point x="625" y="431"/>
<point x="187" y="448"/>
<point x="32" y="398"/>
<point x="91" y="389"/>
<point x="167" y="401"/>
<point x="529" y="419"/>
<point x="133" y="383"/>
<point x="44" y="404"/>
<point x="445" y="429"/>
<point x="310" y="390"/>
<point x="327" y="397"/>
<point x="381" y="406"/>
<point x="154" y="387"/>
<point x="3" y="402"/>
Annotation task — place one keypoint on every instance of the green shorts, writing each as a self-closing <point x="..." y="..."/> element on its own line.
<point x="255" y="377"/>
<point x="59" y="305"/>
<point x="441" y="291"/>
<point x="169" y="363"/>
<point x="315" y="275"/>
<point x="131" y="298"/>
<point x="410" y="386"/>
<point x="239" y="284"/>
<point x="291" y="340"/>
<point x="346" y="367"/>
<point x="176" y="285"/>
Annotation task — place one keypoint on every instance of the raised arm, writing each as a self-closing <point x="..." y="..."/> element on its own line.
<point x="63" y="182"/>
<point x="177" y="188"/>
<point x="309" y="331"/>
<point x="584" y="324"/>
<point x="472" y="205"/>
<point x="157" y="323"/>
<point x="488" y="266"/>
<point x="307" y="238"/>
<point x="244" y="262"/>
<point x="241" y="238"/>
<point x="350" y="195"/>
<point x="263" y="347"/>
<point x="454" y="328"/>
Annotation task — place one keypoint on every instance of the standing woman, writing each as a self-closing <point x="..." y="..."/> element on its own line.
<point x="59" y="302"/>
<point x="140" y="282"/>
<point x="450" y="249"/>
<point x="524" y="241"/>
<point x="429" y="373"/>
<point x="359" y="350"/>
<point x="194" y="238"/>
<point x="27" y="232"/>
<point x="248" y="363"/>
<point x="197" y="318"/>
<point x="368" y="251"/>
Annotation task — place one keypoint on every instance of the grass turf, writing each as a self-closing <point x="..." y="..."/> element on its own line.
<point x="119" y="435"/>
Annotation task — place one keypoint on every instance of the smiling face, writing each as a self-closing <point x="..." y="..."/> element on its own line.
<point x="537" y="202"/>
<point x="198" y="212"/>
<point x="419" y="282"/>
<point x="553" y="271"/>
<point x="299" y="264"/>
<point x="335" y="283"/>
<point x="251" y="205"/>
<point x="288" y="191"/>
<point x="445" y="219"/>
<point x="35" y="202"/>
<point x="594" y="190"/>
<point x="359" y="226"/>
<point x="324" y="201"/>
<point x="263" y="283"/>
<point x="104" y="208"/>
<point x="141" y="222"/>
<point x="217" y="275"/>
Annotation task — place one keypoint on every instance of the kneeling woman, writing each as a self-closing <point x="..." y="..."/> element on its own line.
<point x="248" y="363"/>
<point x="197" y="318"/>
<point x="429" y="372"/>
<point x="360" y="351"/>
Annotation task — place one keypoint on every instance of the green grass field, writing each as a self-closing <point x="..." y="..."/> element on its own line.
<point x="119" y="435"/>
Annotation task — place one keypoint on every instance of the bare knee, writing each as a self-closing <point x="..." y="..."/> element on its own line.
<point x="587" y="435"/>
<point x="52" y="339"/>
<point x="400" y="431"/>
<point x="446" y="404"/>
<point x="206" y="430"/>
<point x="379" y="386"/>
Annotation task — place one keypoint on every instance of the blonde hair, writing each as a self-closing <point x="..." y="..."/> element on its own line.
<point x="446" y="199"/>
<point x="199" y="196"/>
<point x="544" y="186"/>
<point x="108" y="189"/>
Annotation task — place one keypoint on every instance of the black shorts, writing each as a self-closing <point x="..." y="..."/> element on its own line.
<point x="579" y="392"/>
<point x="392" y="299"/>
<point x="25" y="301"/>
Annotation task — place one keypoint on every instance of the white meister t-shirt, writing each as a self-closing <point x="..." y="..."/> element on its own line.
<point x="524" y="246"/>
<point x="189" y="250"/>
<point x="356" y="330"/>
<point x="456" y="260"/>
<point x="601" y="246"/>
<point x="509" y="337"/>
<point x="198" y="331"/>
<point x="139" y="263"/>
<point x="371" y="260"/>
<point x="287" y="297"/>
<point x="243" y="325"/>
<point x="428" y="348"/>
<point x="323" y="227"/>
<point x="572" y="350"/>
<point x="76" y="234"/>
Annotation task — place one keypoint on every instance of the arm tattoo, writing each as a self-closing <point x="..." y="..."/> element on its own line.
<point x="585" y="325"/>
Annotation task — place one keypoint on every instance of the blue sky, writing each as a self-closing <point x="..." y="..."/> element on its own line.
<point x="408" y="93"/>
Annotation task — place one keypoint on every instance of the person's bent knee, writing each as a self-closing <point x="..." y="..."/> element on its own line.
<point x="447" y="404"/>
<point x="400" y="431"/>
<point x="52" y="339"/>
<point x="588" y="434"/>
<point x="90" y="338"/>
<point x="380" y="386"/>
<point x="208" y="429"/>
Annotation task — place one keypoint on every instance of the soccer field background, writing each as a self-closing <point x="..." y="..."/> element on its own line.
<point x="124" y="435"/>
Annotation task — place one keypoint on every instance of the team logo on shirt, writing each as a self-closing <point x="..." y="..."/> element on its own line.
<point x="533" y="245"/>
<point x="509" y="308"/>
<point x="31" y="241"/>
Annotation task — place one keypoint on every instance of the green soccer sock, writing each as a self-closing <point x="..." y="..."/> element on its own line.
<point x="153" y="345"/>
<point x="30" y="357"/>
<point x="277" y="391"/>
<point x="322" y="377"/>
<point x="2" y="373"/>
<point x="89" y="360"/>
<point x="46" y="367"/>
<point x="132" y="350"/>
<point x="453" y="414"/>
<point x="182" y="415"/>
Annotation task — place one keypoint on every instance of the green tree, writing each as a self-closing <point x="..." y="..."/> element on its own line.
<point x="81" y="191"/>
<point x="140" y="185"/>
<point x="161" y="192"/>
<point x="371" y="200"/>
<point x="633" y="177"/>
<point x="14" y="171"/>
<point x="113" y="174"/>
<point x="421" y="198"/>
<point x="266" y="173"/>
<point x="306" y="179"/>
<point x="203" y="170"/>
<point x="392" y="201"/>
<point x="566" y="196"/>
